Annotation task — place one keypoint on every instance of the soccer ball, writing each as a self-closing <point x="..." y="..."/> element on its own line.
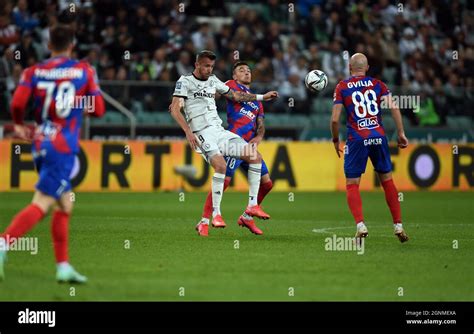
<point x="316" y="80"/>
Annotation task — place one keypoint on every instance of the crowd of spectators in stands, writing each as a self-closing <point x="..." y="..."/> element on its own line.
<point x="424" y="47"/>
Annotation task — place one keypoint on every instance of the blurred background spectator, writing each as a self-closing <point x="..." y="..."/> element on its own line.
<point x="422" y="47"/>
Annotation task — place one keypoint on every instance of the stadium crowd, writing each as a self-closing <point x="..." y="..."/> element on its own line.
<point x="425" y="47"/>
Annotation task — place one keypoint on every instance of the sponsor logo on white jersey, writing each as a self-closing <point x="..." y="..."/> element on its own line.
<point x="204" y="94"/>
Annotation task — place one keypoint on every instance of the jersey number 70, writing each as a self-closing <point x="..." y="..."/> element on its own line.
<point x="64" y="97"/>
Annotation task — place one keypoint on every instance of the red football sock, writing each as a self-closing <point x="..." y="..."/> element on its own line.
<point x="59" y="232"/>
<point x="391" y="196"/>
<point x="24" y="221"/>
<point x="355" y="202"/>
<point x="207" y="211"/>
<point x="264" y="190"/>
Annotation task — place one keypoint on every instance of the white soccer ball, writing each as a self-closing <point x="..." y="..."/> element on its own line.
<point x="316" y="80"/>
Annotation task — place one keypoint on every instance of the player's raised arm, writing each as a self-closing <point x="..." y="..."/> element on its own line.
<point x="336" y="115"/>
<point x="175" y="110"/>
<point x="239" y="96"/>
<point x="247" y="97"/>
<point x="397" y="117"/>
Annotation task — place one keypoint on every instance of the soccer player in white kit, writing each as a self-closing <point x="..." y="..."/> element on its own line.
<point x="195" y="96"/>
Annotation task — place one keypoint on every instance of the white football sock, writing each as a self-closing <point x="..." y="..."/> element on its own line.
<point x="254" y="174"/>
<point x="360" y="224"/>
<point x="217" y="192"/>
<point x="205" y="221"/>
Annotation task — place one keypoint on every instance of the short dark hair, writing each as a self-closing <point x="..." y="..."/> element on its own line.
<point x="61" y="36"/>
<point x="206" y="54"/>
<point x="239" y="63"/>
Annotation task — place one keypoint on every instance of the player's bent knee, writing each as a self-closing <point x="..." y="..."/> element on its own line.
<point x="220" y="169"/>
<point x="251" y="155"/>
<point x="352" y="181"/>
<point x="44" y="201"/>
<point x="66" y="203"/>
<point x="66" y="208"/>
<point x="219" y="164"/>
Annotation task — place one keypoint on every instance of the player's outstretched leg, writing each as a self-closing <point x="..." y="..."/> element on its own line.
<point x="391" y="197"/>
<point x="355" y="205"/>
<point x="65" y="273"/>
<point x="23" y="222"/>
<point x="207" y="210"/>
<point x="254" y="159"/>
<point x="219" y="165"/>
<point x="217" y="193"/>
<point x="247" y="221"/>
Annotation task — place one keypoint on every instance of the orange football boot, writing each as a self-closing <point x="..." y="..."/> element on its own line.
<point x="250" y="224"/>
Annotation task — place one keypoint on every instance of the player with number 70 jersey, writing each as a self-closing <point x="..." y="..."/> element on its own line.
<point x="62" y="89"/>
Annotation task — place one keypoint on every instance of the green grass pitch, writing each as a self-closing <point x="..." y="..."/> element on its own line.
<point x="166" y="258"/>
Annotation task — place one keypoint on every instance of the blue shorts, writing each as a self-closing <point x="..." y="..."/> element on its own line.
<point x="355" y="158"/>
<point x="234" y="163"/>
<point x="54" y="170"/>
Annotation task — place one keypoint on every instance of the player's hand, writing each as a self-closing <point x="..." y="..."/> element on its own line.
<point x="256" y="140"/>
<point x="338" y="149"/>
<point x="192" y="140"/>
<point x="22" y="132"/>
<point x="402" y="140"/>
<point x="270" y="95"/>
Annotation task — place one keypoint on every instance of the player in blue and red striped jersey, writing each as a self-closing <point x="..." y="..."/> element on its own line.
<point x="246" y="120"/>
<point x="362" y="96"/>
<point x="63" y="89"/>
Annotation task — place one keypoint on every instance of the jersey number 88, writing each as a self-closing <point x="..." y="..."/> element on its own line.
<point x="363" y="104"/>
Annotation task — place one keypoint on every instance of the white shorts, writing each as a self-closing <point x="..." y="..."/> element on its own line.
<point x="216" y="140"/>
